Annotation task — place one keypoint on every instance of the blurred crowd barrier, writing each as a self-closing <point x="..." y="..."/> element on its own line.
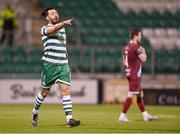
<point x="90" y="91"/>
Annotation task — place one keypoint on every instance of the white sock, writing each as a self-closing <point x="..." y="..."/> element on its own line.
<point x="67" y="97"/>
<point x="35" y="111"/>
<point x="145" y="113"/>
<point x="38" y="101"/>
<point x="67" y="105"/>
<point x="68" y="117"/>
<point x="40" y="96"/>
<point x="123" y="114"/>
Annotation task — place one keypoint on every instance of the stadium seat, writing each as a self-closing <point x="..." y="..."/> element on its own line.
<point x="166" y="66"/>
<point x="3" y="68"/>
<point x="18" y="58"/>
<point x="34" y="55"/>
<point x="74" y="56"/>
<point x="85" y="60"/>
<point x="6" y="48"/>
<point x="6" y="58"/>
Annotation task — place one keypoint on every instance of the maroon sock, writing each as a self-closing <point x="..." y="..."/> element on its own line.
<point x="140" y="103"/>
<point x="127" y="105"/>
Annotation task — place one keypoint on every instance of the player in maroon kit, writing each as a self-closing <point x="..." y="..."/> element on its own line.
<point x="133" y="55"/>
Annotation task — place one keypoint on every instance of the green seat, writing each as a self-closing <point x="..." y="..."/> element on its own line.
<point x="99" y="68"/>
<point x="48" y="3"/>
<point x="3" y="68"/>
<point x="18" y="58"/>
<point x="33" y="68"/>
<point x="85" y="66"/>
<point x="149" y="23"/>
<point x="9" y="68"/>
<point x="6" y="50"/>
<point x="72" y="40"/>
<point x="167" y="14"/>
<point x="145" y="43"/>
<point x="125" y="23"/>
<point x="85" y="60"/>
<point x="87" y="23"/>
<point x="32" y="58"/>
<point x="86" y="55"/>
<point x="17" y="49"/>
<point x="155" y="15"/>
<point x="6" y="58"/>
<point x="131" y="14"/>
<point x="170" y="23"/>
<point x="36" y="50"/>
<point x="112" y="68"/>
<point x="146" y="67"/>
<point x="37" y="68"/>
<point x="35" y="55"/>
<point x="18" y="68"/>
<point x="91" y="40"/>
<point x="107" y="60"/>
<point x="115" y="60"/>
<point x="177" y="15"/>
<point x="173" y="62"/>
<point x="116" y="15"/>
<point x="74" y="52"/>
<point x="162" y="65"/>
<point x="74" y="59"/>
<point x="143" y="14"/>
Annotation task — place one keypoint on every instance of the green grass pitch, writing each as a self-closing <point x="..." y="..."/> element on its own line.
<point x="94" y="119"/>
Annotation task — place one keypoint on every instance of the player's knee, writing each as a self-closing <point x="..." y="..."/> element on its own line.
<point x="45" y="93"/>
<point x="66" y="92"/>
<point x="65" y="89"/>
<point x="130" y="95"/>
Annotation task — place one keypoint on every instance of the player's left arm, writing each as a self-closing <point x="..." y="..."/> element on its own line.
<point x="142" y="54"/>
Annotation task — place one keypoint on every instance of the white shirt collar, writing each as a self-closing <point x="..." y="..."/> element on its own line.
<point x="50" y="24"/>
<point x="131" y="41"/>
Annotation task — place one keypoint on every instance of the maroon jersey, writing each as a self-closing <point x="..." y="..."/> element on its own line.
<point x="132" y="65"/>
<point x="131" y="60"/>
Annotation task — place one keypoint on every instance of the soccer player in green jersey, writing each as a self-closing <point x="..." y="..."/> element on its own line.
<point x="55" y="65"/>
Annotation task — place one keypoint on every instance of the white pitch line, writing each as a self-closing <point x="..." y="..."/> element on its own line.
<point x="166" y="116"/>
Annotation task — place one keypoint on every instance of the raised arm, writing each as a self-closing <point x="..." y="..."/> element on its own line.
<point x="58" y="26"/>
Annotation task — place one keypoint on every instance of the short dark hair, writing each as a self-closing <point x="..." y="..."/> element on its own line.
<point x="45" y="12"/>
<point x="133" y="32"/>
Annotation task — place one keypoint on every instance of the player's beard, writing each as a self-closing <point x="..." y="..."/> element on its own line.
<point x="55" y="21"/>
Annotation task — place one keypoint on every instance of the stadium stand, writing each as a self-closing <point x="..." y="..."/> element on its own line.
<point x="103" y="29"/>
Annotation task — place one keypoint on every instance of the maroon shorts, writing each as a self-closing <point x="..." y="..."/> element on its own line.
<point x="134" y="84"/>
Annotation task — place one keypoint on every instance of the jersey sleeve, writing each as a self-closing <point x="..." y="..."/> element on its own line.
<point x="44" y="30"/>
<point x="138" y="51"/>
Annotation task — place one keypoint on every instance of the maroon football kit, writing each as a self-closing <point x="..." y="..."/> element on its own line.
<point x="132" y="65"/>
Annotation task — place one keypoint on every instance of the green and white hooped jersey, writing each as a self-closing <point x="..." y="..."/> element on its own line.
<point x="54" y="46"/>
